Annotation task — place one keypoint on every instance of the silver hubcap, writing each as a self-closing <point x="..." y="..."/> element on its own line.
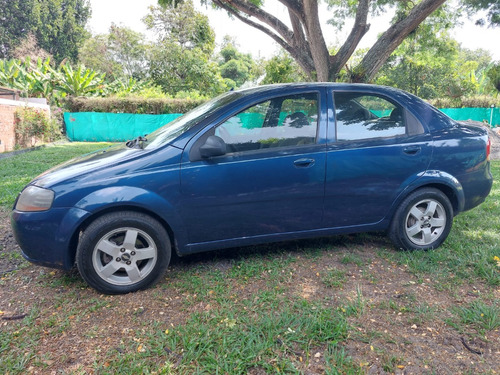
<point x="425" y="222"/>
<point x="124" y="256"/>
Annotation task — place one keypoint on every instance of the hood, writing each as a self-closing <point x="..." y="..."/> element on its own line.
<point x="87" y="163"/>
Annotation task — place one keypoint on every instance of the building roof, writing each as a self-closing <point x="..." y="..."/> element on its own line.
<point x="8" y="92"/>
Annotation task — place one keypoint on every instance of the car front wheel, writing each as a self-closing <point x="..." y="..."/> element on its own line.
<point x="123" y="252"/>
<point x="422" y="221"/>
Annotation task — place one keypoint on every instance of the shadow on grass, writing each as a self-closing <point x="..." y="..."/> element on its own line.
<point x="309" y="248"/>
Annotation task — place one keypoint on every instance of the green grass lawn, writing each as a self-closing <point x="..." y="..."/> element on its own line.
<point x="339" y="305"/>
<point x="17" y="171"/>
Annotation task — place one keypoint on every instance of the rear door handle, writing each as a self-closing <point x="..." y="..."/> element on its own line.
<point x="304" y="163"/>
<point x="412" y="150"/>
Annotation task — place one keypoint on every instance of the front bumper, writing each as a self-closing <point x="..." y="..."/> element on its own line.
<point x="46" y="237"/>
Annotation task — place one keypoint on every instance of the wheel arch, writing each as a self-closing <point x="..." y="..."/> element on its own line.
<point x="439" y="180"/>
<point x="130" y="208"/>
<point x="141" y="201"/>
<point x="450" y="193"/>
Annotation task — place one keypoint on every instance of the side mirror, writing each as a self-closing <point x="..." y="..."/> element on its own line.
<point x="214" y="146"/>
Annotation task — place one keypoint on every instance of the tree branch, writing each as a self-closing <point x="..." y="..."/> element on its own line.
<point x="299" y="38"/>
<point x="392" y="38"/>
<point x="251" y="23"/>
<point x="301" y="55"/>
<point x="359" y="29"/>
<point x="254" y="11"/>
<point x="295" y="6"/>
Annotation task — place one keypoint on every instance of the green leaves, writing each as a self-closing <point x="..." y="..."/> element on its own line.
<point x="13" y="74"/>
<point x="236" y="67"/>
<point x="431" y="64"/>
<point x="42" y="80"/>
<point x="180" y="60"/>
<point x="183" y="25"/>
<point x="59" y="25"/>
<point x="494" y="76"/>
<point x="79" y="82"/>
<point x="34" y="125"/>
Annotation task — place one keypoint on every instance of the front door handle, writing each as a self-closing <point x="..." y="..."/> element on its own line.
<point x="412" y="150"/>
<point x="304" y="163"/>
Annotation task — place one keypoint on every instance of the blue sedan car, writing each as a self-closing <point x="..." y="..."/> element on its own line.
<point x="265" y="164"/>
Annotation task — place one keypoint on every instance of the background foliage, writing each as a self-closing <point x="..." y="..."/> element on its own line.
<point x="132" y="105"/>
<point x="57" y="25"/>
<point x="34" y="125"/>
<point x="47" y="53"/>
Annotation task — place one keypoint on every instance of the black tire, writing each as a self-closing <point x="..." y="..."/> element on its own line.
<point x="111" y="265"/>
<point x="422" y="221"/>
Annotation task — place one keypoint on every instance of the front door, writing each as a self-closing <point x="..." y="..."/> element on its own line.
<point x="270" y="181"/>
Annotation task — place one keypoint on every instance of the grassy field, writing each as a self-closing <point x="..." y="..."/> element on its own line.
<point x="340" y="305"/>
<point x="17" y="171"/>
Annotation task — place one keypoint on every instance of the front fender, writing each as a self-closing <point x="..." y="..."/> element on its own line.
<point x="121" y="197"/>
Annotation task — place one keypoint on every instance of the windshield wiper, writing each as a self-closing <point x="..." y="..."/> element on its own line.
<point x="137" y="142"/>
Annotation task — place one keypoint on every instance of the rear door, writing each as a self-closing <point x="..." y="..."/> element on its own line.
<point x="270" y="181"/>
<point x="375" y="149"/>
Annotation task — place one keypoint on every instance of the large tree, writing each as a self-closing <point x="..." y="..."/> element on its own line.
<point x="58" y="25"/>
<point x="236" y="67"/>
<point x="180" y="59"/>
<point x="15" y="24"/>
<point x="303" y="38"/>
<point x="120" y="54"/>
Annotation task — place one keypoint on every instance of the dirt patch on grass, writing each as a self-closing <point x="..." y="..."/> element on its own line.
<point x="10" y="256"/>
<point x="398" y="322"/>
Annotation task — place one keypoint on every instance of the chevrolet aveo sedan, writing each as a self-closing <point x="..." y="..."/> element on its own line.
<point x="265" y="164"/>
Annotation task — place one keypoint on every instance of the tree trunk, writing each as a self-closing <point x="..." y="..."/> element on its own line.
<point x="317" y="45"/>
<point x="305" y="41"/>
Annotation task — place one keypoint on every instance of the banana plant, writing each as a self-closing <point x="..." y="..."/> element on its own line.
<point x="80" y="81"/>
<point x="42" y="79"/>
<point x="13" y="74"/>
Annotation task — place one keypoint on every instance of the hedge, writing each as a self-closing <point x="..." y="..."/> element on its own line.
<point x="131" y="105"/>
<point x="480" y="101"/>
<point x="165" y="106"/>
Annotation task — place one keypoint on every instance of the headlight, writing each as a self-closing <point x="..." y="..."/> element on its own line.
<point x="35" y="198"/>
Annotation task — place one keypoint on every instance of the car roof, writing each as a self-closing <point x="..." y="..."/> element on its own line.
<point x="316" y="85"/>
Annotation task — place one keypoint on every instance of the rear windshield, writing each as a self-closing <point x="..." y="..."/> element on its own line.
<point x="175" y="128"/>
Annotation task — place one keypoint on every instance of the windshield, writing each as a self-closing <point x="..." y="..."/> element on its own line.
<point x="175" y="128"/>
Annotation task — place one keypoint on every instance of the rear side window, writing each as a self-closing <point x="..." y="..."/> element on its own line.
<point x="364" y="116"/>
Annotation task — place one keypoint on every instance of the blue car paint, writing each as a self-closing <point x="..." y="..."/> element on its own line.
<point x="286" y="193"/>
<point x="45" y="237"/>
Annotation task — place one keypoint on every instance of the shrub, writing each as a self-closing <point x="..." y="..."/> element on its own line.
<point x="33" y="125"/>
<point x="132" y="105"/>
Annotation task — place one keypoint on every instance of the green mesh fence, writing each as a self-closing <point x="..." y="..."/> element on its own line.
<point x="112" y="127"/>
<point x="489" y="115"/>
<point x="118" y="127"/>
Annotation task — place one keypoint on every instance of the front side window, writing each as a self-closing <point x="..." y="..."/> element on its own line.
<point x="278" y="122"/>
<point x="364" y="116"/>
<point x="175" y="128"/>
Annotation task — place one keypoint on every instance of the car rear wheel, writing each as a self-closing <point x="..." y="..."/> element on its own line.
<point x="123" y="252"/>
<point x="422" y="221"/>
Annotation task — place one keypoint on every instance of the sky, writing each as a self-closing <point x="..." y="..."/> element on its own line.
<point x="130" y="12"/>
